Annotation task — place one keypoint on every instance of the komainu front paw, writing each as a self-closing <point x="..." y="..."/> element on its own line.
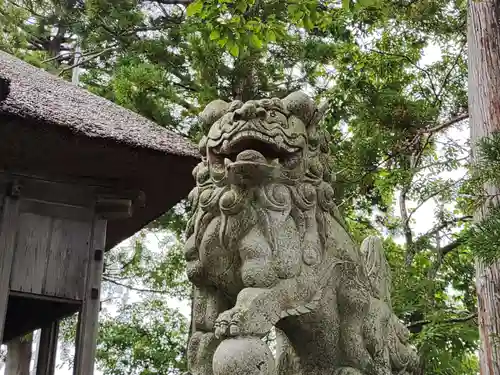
<point x="242" y="322"/>
<point x="255" y="313"/>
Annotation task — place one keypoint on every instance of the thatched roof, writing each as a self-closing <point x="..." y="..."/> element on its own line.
<point x="38" y="95"/>
<point x="50" y="127"/>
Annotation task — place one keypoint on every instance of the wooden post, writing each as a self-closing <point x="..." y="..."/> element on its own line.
<point x="484" y="110"/>
<point x="86" y="337"/>
<point x="8" y="229"/>
<point x="19" y="355"/>
<point x="47" y="350"/>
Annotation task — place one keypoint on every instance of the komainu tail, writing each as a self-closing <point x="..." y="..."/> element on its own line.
<point x="377" y="268"/>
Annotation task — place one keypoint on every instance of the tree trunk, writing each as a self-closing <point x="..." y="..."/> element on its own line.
<point x="245" y="83"/>
<point x="484" y="110"/>
<point x="19" y="356"/>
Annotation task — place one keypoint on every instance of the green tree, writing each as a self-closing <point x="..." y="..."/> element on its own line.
<point x="391" y="118"/>
<point x="484" y="72"/>
<point x="145" y="338"/>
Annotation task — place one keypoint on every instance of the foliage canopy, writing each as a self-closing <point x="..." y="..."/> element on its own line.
<point x="394" y="73"/>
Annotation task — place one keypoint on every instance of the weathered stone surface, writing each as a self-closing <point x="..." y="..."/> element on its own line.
<point x="243" y="356"/>
<point x="266" y="247"/>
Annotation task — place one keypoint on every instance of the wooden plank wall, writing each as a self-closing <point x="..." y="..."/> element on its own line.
<point x="52" y="242"/>
<point x="50" y="256"/>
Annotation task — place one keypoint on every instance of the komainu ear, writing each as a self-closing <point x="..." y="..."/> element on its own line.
<point x="212" y="112"/>
<point x="301" y="105"/>
<point x="377" y="268"/>
<point x="318" y="114"/>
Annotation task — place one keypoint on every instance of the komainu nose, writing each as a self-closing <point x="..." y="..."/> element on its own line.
<point x="247" y="112"/>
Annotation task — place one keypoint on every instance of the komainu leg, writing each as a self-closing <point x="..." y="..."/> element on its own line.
<point x="207" y="304"/>
<point x="354" y="305"/>
<point x="256" y="311"/>
<point x="201" y="349"/>
<point x="287" y="360"/>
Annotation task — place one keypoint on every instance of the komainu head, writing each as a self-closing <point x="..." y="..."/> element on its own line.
<point x="269" y="139"/>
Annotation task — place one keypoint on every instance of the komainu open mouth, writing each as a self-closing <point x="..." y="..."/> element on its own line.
<point x="273" y="150"/>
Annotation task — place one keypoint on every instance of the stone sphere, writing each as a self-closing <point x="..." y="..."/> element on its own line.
<point x="243" y="356"/>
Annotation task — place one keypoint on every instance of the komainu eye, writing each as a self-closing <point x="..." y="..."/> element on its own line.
<point x="272" y="113"/>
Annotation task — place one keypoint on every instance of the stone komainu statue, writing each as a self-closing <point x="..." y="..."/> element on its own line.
<point x="266" y="247"/>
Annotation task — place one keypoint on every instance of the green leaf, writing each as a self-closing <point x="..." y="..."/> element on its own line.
<point x="293" y="8"/>
<point x="366" y="3"/>
<point x="255" y="41"/>
<point x="253" y="25"/>
<point x="308" y="23"/>
<point x="270" y="36"/>
<point x="215" y="34"/>
<point x="194" y="8"/>
<point x="222" y="42"/>
<point x="234" y="49"/>
<point x="241" y="6"/>
<point x="346" y="4"/>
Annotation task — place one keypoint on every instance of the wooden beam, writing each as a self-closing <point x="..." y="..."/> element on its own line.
<point x="86" y="337"/>
<point x="47" y="350"/>
<point x="42" y="297"/>
<point x="114" y="208"/>
<point x="8" y="229"/>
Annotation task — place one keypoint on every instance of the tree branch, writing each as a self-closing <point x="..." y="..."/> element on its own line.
<point x="441" y="253"/>
<point x="142" y="290"/>
<point x="92" y="55"/>
<point x="70" y="54"/>
<point x="31" y="10"/>
<point x="447" y="124"/>
<point x="434" y="194"/>
<point x="440" y="163"/>
<point x="418" y="157"/>
<point x="452" y="246"/>
<point x="406" y="225"/>
<point x="444" y="224"/>
<point x="407" y="58"/>
<point x="34" y="39"/>
<point x="447" y="321"/>
<point x="453" y="66"/>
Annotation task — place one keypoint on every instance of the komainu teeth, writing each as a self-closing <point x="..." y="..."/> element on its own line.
<point x="274" y="141"/>
<point x="227" y="162"/>
<point x="275" y="161"/>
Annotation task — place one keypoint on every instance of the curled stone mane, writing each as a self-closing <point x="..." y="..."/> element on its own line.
<point x="266" y="247"/>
